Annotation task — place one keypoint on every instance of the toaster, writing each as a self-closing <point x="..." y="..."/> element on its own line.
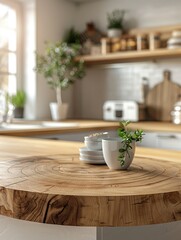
<point x="123" y="110"/>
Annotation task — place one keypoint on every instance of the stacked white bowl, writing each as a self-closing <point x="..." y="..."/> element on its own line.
<point x="92" y="152"/>
<point x="175" y="40"/>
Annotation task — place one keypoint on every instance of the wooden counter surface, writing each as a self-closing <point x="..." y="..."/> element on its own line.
<point x="89" y="125"/>
<point x="44" y="181"/>
<point x="80" y="126"/>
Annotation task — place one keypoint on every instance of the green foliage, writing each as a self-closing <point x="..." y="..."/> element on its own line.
<point x="58" y="64"/>
<point x="127" y="138"/>
<point x="72" y="36"/>
<point x="115" y="19"/>
<point x="18" y="99"/>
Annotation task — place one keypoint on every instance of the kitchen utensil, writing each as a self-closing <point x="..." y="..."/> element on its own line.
<point x="161" y="98"/>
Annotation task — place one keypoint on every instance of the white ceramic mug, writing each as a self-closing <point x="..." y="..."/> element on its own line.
<point x="110" y="148"/>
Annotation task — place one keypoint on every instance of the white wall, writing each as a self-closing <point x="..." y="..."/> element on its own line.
<point x="53" y="18"/>
<point x="45" y="20"/>
<point x="140" y="13"/>
<point x="124" y="81"/>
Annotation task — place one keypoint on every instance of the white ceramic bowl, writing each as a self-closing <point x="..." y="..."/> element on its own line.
<point x="85" y="150"/>
<point x="96" y="136"/>
<point x="93" y="144"/>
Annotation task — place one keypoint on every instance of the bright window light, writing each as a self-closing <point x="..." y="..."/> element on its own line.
<point x="8" y="48"/>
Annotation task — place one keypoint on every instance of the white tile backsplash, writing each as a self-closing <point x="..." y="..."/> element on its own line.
<point x="120" y="82"/>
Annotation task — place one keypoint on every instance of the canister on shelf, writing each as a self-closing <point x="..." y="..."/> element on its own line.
<point x="123" y="44"/>
<point x="105" y="45"/>
<point x="142" y="42"/>
<point x="154" y="41"/>
<point x="131" y="43"/>
<point x="115" y="44"/>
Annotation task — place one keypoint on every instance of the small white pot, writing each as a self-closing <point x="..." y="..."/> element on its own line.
<point x="58" y="112"/>
<point x="114" y="32"/>
<point x="110" y="147"/>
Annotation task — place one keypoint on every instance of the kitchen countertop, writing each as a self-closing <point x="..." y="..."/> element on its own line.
<point x="73" y="126"/>
<point x="86" y="125"/>
<point x="156" y="126"/>
<point x="44" y="181"/>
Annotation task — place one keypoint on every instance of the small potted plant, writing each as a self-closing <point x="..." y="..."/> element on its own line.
<point x="18" y="101"/>
<point x="72" y="36"/>
<point x="60" y="69"/>
<point x="119" y="152"/>
<point x="115" y="23"/>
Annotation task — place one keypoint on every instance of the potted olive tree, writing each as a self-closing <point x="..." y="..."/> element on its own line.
<point x="115" y="23"/>
<point x="60" y="69"/>
<point x="18" y="101"/>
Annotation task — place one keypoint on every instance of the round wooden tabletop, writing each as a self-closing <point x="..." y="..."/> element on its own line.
<point x="44" y="181"/>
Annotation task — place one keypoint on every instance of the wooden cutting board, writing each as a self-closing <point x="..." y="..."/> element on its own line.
<point x="161" y="99"/>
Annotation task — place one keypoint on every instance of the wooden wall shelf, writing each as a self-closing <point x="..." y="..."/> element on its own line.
<point x="131" y="56"/>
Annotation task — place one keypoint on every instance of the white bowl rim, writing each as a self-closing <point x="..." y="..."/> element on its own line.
<point x="98" y="137"/>
<point x="113" y="139"/>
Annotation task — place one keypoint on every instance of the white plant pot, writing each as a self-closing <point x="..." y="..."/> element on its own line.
<point x="114" y="32"/>
<point x="58" y="112"/>
<point x="110" y="147"/>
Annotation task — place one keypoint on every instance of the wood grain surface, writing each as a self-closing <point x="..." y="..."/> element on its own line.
<point x="44" y="181"/>
<point x="160" y="29"/>
<point x="80" y="126"/>
<point x="130" y="56"/>
<point x="161" y="99"/>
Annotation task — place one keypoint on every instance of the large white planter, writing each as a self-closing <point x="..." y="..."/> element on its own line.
<point x="114" y="32"/>
<point x="58" y="112"/>
<point x="110" y="147"/>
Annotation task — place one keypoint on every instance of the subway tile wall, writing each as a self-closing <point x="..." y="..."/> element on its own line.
<point x="119" y="82"/>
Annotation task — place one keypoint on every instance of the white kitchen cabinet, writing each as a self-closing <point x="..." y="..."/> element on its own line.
<point x="169" y="141"/>
<point x="162" y="140"/>
<point x="149" y="140"/>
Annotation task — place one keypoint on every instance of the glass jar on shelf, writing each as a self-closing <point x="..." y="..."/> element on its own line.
<point x="115" y="45"/>
<point x="105" y="45"/>
<point x="131" y="43"/>
<point x="154" y="41"/>
<point x="123" y="44"/>
<point x="142" y="42"/>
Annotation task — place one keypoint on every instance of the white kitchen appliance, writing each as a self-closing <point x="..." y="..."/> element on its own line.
<point x="121" y="110"/>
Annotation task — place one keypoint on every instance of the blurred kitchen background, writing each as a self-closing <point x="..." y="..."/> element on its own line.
<point x="47" y="20"/>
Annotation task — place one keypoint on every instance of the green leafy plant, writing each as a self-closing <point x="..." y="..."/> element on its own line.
<point x="59" y="67"/>
<point x="127" y="138"/>
<point x="115" y="19"/>
<point x="18" y="100"/>
<point x="72" y="36"/>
